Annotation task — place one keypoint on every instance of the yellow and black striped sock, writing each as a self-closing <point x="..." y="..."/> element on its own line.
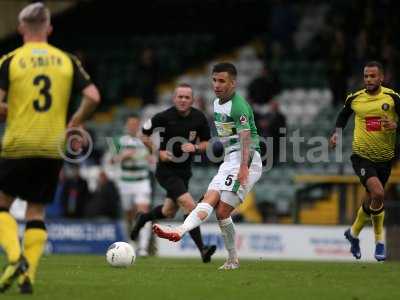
<point x="378" y="216"/>
<point x="9" y="240"/>
<point x="362" y="218"/>
<point x="35" y="238"/>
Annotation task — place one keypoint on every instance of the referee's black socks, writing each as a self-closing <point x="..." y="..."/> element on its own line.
<point x="154" y="214"/>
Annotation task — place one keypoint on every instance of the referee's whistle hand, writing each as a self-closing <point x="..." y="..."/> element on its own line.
<point x="165" y="155"/>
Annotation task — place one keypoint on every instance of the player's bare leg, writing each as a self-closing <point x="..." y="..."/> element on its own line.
<point x="145" y="233"/>
<point x="130" y="216"/>
<point x="169" y="208"/>
<point x="128" y="210"/>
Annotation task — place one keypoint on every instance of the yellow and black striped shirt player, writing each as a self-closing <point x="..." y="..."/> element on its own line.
<point x="38" y="79"/>
<point x="376" y="111"/>
<point x="36" y="82"/>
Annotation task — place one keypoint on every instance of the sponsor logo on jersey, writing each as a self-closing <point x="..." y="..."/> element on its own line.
<point x="192" y="136"/>
<point x="373" y="123"/>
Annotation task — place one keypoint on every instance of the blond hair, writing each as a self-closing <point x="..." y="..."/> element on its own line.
<point x="35" y="16"/>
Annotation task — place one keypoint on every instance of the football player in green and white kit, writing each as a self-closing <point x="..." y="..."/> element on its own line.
<point x="241" y="169"/>
<point x="133" y="182"/>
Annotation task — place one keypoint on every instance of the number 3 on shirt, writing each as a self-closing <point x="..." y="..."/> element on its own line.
<point x="44" y="82"/>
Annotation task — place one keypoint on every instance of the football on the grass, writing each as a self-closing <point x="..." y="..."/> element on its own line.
<point x="120" y="254"/>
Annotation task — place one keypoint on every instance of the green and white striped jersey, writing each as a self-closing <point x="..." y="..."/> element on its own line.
<point x="232" y="117"/>
<point x="136" y="167"/>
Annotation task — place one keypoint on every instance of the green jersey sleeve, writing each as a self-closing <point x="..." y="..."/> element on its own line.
<point x="241" y="115"/>
<point x="117" y="144"/>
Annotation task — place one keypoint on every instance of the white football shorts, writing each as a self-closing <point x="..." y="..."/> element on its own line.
<point x="226" y="178"/>
<point x="134" y="192"/>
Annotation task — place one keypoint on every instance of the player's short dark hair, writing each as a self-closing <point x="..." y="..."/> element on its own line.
<point x="374" y="63"/>
<point x="133" y="115"/>
<point x="225" y="67"/>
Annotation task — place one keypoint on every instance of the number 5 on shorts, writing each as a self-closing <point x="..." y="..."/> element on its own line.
<point x="229" y="180"/>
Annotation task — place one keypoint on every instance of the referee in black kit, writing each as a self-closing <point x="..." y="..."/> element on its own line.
<point x="180" y="127"/>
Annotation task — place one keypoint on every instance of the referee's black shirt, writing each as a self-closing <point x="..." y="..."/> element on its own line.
<point x="176" y="130"/>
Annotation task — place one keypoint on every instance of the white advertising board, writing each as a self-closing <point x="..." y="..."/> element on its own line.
<point x="279" y="242"/>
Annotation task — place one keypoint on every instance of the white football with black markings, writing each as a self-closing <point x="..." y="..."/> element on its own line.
<point x="120" y="254"/>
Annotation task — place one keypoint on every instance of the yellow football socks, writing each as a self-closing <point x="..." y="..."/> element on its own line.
<point x="361" y="219"/>
<point x="9" y="240"/>
<point x="377" y="222"/>
<point x="34" y="241"/>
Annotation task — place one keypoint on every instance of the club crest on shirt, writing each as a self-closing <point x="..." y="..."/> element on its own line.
<point x="385" y="106"/>
<point x="192" y="136"/>
<point x="243" y="119"/>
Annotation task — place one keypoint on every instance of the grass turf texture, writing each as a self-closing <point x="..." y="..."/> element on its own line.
<point x="89" y="277"/>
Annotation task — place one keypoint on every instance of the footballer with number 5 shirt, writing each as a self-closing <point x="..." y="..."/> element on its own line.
<point x="241" y="169"/>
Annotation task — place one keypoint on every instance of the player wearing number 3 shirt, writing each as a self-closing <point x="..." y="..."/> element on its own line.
<point x="36" y="81"/>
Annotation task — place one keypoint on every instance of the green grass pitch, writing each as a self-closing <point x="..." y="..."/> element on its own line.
<point x="76" y="277"/>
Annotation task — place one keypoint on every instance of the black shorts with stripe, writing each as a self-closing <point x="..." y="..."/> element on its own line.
<point x="366" y="168"/>
<point x="31" y="179"/>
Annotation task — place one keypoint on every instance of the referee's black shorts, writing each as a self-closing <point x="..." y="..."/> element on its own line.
<point x="31" y="179"/>
<point x="175" y="184"/>
<point x="366" y="168"/>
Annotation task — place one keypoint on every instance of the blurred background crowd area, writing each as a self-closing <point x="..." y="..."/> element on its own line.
<point x="297" y="60"/>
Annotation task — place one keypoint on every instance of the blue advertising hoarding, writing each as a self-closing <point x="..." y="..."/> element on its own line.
<point x="80" y="236"/>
